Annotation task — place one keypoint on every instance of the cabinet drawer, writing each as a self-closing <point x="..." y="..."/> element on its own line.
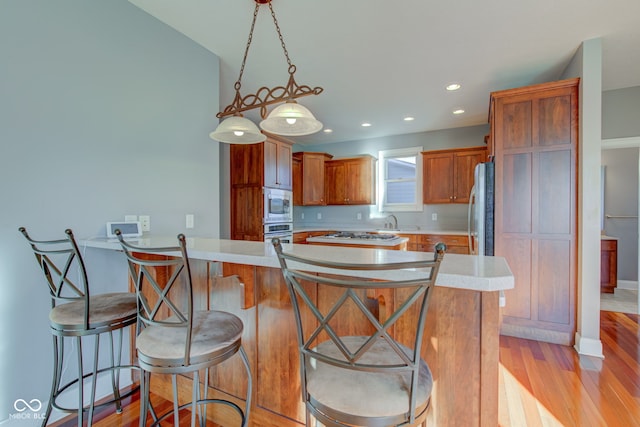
<point x="449" y="240"/>
<point x="455" y="244"/>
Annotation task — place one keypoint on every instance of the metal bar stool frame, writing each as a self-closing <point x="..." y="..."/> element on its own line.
<point x="75" y="313"/>
<point x="333" y="366"/>
<point x="157" y="329"/>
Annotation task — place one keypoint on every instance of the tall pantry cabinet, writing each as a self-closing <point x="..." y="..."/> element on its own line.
<point x="534" y="140"/>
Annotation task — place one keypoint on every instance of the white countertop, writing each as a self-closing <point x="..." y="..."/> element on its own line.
<point x="480" y="273"/>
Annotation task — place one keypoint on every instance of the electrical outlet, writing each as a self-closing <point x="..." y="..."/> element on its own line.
<point x="359" y="216"/>
<point x="189" y="220"/>
<point x="319" y="216"/>
<point x="302" y="215"/>
<point x="145" y="222"/>
<point x="434" y="217"/>
<point x="130" y="218"/>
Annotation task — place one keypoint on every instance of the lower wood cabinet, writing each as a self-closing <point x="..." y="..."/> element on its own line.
<point x="456" y="244"/>
<point x="608" y="265"/>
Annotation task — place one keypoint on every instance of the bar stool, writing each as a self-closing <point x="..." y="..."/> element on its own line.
<point x="76" y="314"/>
<point x="360" y="360"/>
<point x="174" y="338"/>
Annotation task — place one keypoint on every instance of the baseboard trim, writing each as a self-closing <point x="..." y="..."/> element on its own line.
<point x="588" y="346"/>
<point x="627" y="284"/>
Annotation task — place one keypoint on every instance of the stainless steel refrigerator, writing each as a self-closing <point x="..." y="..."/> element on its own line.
<point x="481" y="210"/>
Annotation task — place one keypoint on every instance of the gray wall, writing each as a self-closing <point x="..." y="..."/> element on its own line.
<point x="621" y="113"/>
<point x="104" y="111"/>
<point x="621" y="199"/>
<point x="450" y="216"/>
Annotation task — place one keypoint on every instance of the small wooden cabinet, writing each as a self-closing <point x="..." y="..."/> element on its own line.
<point x="253" y="167"/>
<point x="456" y="244"/>
<point x="608" y="265"/>
<point x="448" y="174"/>
<point x="308" y="178"/>
<point x="277" y="163"/>
<point x="350" y="181"/>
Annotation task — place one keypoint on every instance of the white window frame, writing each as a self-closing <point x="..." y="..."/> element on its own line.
<point x="383" y="156"/>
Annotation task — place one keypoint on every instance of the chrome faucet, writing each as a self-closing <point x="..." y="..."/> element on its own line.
<point x="394" y="224"/>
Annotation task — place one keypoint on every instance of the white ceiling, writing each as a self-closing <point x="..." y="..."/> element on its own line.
<point x="381" y="60"/>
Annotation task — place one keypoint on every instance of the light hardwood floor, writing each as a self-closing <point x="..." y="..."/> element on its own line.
<point x="540" y="384"/>
<point x="550" y="385"/>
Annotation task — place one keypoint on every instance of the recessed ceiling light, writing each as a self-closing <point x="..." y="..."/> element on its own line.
<point x="366" y="125"/>
<point x="458" y="111"/>
<point x="408" y="119"/>
<point x="453" y="86"/>
<point x="328" y="130"/>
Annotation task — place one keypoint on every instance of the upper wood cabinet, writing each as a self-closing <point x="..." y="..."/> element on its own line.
<point x="534" y="137"/>
<point x="265" y="164"/>
<point x="448" y="174"/>
<point x="350" y="181"/>
<point x="308" y="178"/>
<point x="277" y="163"/>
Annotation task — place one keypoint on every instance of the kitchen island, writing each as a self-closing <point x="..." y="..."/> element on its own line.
<point x="461" y="338"/>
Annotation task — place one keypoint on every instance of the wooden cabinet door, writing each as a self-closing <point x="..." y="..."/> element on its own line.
<point x="334" y="183"/>
<point x="360" y="181"/>
<point x="277" y="164"/>
<point x="438" y="180"/>
<point x="247" y="213"/>
<point x="246" y="164"/>
<point x="448" y="174"/>
<point x="535" y="133"/>
<point x="308" y="178"/>
<point x="463" y="170"/>
<point x="350" y="181"/>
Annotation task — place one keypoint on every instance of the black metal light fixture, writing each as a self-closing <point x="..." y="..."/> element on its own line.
<point x="288" y="119"/>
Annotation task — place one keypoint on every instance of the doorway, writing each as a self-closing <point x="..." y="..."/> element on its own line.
<point x="620" y="207"/>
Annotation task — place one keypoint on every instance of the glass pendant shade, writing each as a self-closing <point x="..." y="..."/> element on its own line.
<point x="237" y="130"/>
<point x="291" y="119"/>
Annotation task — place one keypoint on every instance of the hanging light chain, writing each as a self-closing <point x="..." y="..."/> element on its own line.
<point x="266" y="96"/>
<point x="246" y="50"/>
<point x="284" y="48"/>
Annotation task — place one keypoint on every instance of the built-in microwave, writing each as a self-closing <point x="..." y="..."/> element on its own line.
<point x="278" y="205"/>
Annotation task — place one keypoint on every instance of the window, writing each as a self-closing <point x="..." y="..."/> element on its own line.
<point x="400" y="178"/>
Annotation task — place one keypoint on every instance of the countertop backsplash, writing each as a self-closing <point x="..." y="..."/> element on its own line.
<point x="449" y="217"/>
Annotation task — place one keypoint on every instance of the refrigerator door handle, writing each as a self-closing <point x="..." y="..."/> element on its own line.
<point x="469" y="226"/>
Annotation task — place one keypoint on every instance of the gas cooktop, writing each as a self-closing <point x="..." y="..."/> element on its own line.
<point x="365" y="236"/>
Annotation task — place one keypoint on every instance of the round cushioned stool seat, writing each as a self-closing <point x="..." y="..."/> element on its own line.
<point x="105" y="310"/>
<point x="361" y="393"/>
<point x="214" y="334"/>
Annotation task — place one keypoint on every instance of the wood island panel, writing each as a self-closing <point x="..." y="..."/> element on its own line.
<point x="460" y="346"/>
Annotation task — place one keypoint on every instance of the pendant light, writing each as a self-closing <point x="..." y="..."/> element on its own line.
<point x="237" y="130"/>
<point x="291" y="119"/>
<point x="288" y="119"/>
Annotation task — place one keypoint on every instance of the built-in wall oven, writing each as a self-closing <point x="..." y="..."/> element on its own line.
<point x="278" y="206"/>
<point x="283" y="231"/>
